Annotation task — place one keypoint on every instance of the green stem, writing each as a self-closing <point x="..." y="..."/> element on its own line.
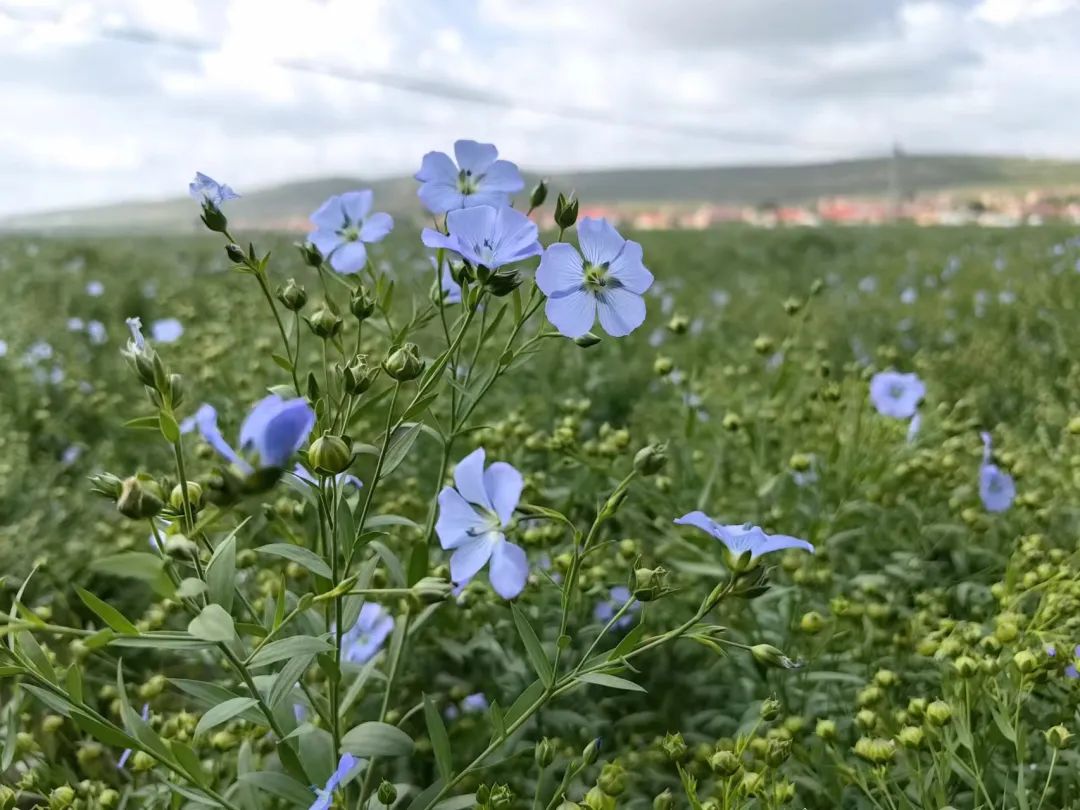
<point x="265" y="287"/>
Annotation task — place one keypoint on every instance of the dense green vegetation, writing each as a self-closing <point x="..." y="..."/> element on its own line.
<point x="921" y="624"/>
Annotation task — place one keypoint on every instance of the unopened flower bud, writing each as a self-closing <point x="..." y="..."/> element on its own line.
<point x="1025" y="661"/>
<point x="592" y="750"/>
<point x="1058" y="736"/>
<point x="663" y="366"/>
<point x="501" y="798"/>
<point x="651" y="459"/>
<point x="752" y="783"/>
<point x="361" y="304"/>
<point x="777" y="752"/>
<point x="539" y="194"/>
<point x="649" y="583"/>
<point x="911" y="737"/>
<point x="310" y="254"/>
<point x="292" y="295"/>
<point x="826" y="730"/>
<point x="404" y="363"/>
<point x="678" y="324"/>
<point x="432" y="589"/>
<point x="875" y="750"/>
<point x="106" y="484"/>
<point x="194" y="493"/>
<point x="329" y="455"/>
<point x="142" y="761"/>
<point x="725" y="763"/>
<point x="612" y="779"/>
<point x="812" y="622"/>
<point x="664" y="801"/>
<point x="966" y="666"/>
<point x="588" y="340"/>
<point x="7" y="798"/>
<point x="387" y="793"/>
<point x="139" y="498"/>
<point x="770" y="709"/>
<point x="939" y="712"/>
<point x="566" y="210"/>
<point x="213" y="218"/>
<point x="358" y="376"/>
<point x="769" y="655"/>
<point x="61" y="797"/>
<point x="674" y="746"/>
<point x="324" y="323"/>
<point x="235" y="253"/>
<point x="180" y="547"/>
<point x="545" y="752"/>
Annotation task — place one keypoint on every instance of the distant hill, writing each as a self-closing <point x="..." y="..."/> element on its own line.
<point x="287" y="206"/>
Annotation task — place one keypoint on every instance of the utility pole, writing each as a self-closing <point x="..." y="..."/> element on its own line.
<point x="896" y="189"/>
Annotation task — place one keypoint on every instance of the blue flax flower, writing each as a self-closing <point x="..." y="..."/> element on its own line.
<point x="325" y="796"/>
<point x="342" y="479"/>
<point x="996" y="487"/>
<point x="366" y="637"/>
<point x="605" y="278"/>
<point x="472" y="521"/>
<point x="605" y="610"/>
<point x="274" y="430"/>
<point x="487" y="236"/>
<point x="207" y="189"/>
<point x="343" y="225"/>
<point x="895" y="394"/>
<point x="477" y="179"/>
<point x="166" y="330"/>
<point x="742" y="538"/>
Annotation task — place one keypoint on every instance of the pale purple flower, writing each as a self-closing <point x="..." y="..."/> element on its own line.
<point x="3" y="348"/>
<point x="204" y="189"/>
<point x="71" y="454"/>
<point x="606" y="609"/>
<point x="95" y="330"/>
<point x="470" y="704"/>
<point x="487" y="236"/>
<point x="364" y="639"/>
<point x="478" y="178"/>
<point x="38" y="351"/>
<point x="166" y="330"/>
<point x="136" y="341"/>
<point x="744" y="537"/>
<point x="867" y="284"/>
<point x="1072" y="672"/>
<point x="145" y="714"/>
<point x="909" y="296"/>
<point x="996" y="487"/>
<point x="75" y="324"/>
<point x="895" y="394"/>
<point x="95" y="289"/>
<point x="605" y="278"/>
<point x="343" y="224"/>
<point x="325" y="795"/>
<point x="273" y="430"/>
<point x="473" y="520"/>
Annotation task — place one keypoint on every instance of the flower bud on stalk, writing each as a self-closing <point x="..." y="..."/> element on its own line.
<point x="361" y="304"/>
<point x="769" y="655"/>
<point x="404" y="363"/>
<point x="236" y="254"/>
<point x="324" y="323"/>
<point x="650" y="460"/>
<point x="539" y="194"/>
<point x="358" y="375"/>
<point x="292" y="296"/>
<point x="649" y="583"/>
<point x="566" y="211"/>
<point x="140" y="498"/>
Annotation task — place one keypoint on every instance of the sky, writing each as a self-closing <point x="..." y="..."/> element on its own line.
<point x="110" y="100"/>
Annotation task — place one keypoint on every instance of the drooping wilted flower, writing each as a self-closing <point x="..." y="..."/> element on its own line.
<point x="743" y="538"/>
<point x="343" y="224"/>
<point x="366" y="637"/>
<point x="996" y="487"/>
<point x="473" y="518"/>
<point x="605" y="278"/>
<point x="274" y="430"/>
<point x="895" y="394"/>
<point x="491" y="237"/>
<point x="205" y="189"/>
<point x="479" y="178"/>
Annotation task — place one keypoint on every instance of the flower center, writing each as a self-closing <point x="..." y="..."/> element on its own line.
<point x="598" y="278"/>
<point x="486" y="252"/>
<point x="466" y="182"/>
<point x="491" y="523"/>
<point x="896" y="391"/>
<point x="350" y="233"/>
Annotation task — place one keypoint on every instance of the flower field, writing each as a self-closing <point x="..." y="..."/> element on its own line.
<point x="481" y="515"/>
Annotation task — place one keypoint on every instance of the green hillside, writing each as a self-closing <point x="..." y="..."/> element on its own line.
<point x="286" y="206"/>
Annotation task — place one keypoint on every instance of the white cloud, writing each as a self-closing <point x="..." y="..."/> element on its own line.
<point x="114" y="99"/>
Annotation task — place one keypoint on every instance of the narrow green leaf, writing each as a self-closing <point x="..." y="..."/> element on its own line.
<point x="188" y="761"/>
<point x="299" y="555"/>
<point x="440" y="740"/>
<point x="143" y="423"/>
<point x="400" y="443"/>
<point x="131" y="564"/>
<point x="107" y="613"/>
<point x="74" y="683"/>
<point x="286" y="679"/>
<point x="373" y="739"/>
<point x="213" y="624"/>
<point x="282" y="362"/>
<point x="610" y="681"/>
<point x="280" y="785"/>
<point x="222" y="713"/>
<point x="110" y="735"/>
<point x="535" y="651"/>
<point x="221" y="573"/>
<point x="288" y="648"/>
<point x="169" y="429"/>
